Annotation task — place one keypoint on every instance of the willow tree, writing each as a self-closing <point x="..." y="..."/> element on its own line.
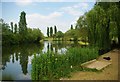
<point x="117" y="16"/>
<point x="98" y="27"/>
<point x="81" y="22"/>
<point x="82" y="26"/>
<point x="91" y="23"/>
<point x="114" y="11"/>
<point x="102" y="27"/>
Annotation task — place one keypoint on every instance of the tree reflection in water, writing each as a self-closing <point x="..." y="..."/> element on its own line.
<point x="20" y="53"/>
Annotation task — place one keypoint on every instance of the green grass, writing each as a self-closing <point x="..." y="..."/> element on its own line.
<point x="52" y="39"/>
<point x="50" y="66"/>
<point x="48" y="39"/>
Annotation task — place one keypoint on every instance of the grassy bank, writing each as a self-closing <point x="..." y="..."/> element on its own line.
<point x="49" y="66"/>
<point x="70" y="39"/>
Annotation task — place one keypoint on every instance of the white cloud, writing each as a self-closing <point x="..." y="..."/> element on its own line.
<point x="81" y="5"/>
<point x="24" y="3"/>
<point x="43" y="21"/>
<point x="72" y="11"/>
<point x="38" y="19"/>
<point x="75" y="10"/>
<point x="46" y="17"/>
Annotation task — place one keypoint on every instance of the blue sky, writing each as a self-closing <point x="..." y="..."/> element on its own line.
<point x="46" y="14"/>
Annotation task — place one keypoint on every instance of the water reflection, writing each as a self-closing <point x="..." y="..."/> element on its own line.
<point x="16" y="60"/>
<point x="59" y="46"/>
<point x="18" y="57"/>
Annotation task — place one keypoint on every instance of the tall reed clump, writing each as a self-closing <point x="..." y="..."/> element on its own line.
<point x="78" y="56"/>
<point x="49" y="66"/>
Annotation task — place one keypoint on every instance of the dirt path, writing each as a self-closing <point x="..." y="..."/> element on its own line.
<point x="108" y="73"/>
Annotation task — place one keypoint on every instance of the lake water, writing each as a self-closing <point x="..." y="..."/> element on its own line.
<point x="16" y="60"/>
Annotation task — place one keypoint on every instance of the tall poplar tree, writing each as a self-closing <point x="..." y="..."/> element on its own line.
<point x="71" y="27"/>
<point x="51" y="31"/>
<point x="48" y="31"/>
<point x="55" y="29"/>
<point x="15" y="28"/>
<point x="11" y="26"/>
<point x="22" y="23"/>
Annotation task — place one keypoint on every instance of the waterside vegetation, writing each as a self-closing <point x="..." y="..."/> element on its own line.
<point x="49" y="66"/>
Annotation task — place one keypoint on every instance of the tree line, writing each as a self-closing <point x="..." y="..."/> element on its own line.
<point x="71" y="35"/>
<point x="17" y="34"/>
<point x="50" y="31"/>
<point x="54" y="33"/>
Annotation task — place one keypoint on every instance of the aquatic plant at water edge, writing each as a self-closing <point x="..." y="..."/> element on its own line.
<point x="49" y="66"/>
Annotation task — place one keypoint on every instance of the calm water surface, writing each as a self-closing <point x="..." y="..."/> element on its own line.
<point x="16" y="60"/>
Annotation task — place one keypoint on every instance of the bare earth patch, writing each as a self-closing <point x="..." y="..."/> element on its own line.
<point x="108" y="73"/>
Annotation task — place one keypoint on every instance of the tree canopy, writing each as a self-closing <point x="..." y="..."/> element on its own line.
<point x="59" y="34"/>
<point x="21" y="33"/>
<point x="102" y="23"/>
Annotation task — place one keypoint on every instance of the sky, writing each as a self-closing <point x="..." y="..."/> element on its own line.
<point x="42" y="14"/>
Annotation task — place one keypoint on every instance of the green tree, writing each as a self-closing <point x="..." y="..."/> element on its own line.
<point x="112" y="10"/>
<point x="71" y="27"/>
<point x="24" y="36"/>
<point x="15" y="28"/>
<point x="91" y="21"/>
<point x="22" y="24"/>
<point x="48" y="31"/>
<point x="51" y="31"/>
<point x="55" y="29"/>
<point x="7" y="35"/>
<point x="98" y="27"/>
<point x="76" y="27"/>
<point x="34" y="35"/>
<point x="11" y="26"/>
<point x="37" y="34"/>
<point x="80" y="22"/>
<point x="59" y="34"/>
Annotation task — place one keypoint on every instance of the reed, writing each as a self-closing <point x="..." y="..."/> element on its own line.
<point x="51" y="66"/>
